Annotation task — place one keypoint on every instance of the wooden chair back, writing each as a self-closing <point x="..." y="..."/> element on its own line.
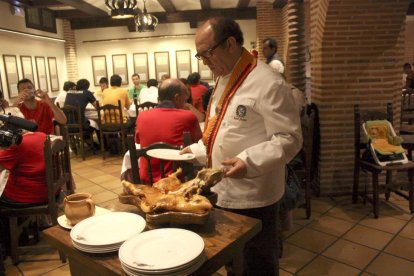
<point x="58" y="175"/>
<point x="111" y="121"/>
<point x="143" y="107"/>
<point x="135" y="154"/>
<point x="362" y="117"/>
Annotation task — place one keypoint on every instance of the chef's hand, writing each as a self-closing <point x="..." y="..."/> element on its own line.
<point x="186" y="150"/>
<point x="234" y="168"/>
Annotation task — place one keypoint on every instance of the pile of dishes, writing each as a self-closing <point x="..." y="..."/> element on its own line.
<point x="167" y="251"/>
<point x="107" y="232"/>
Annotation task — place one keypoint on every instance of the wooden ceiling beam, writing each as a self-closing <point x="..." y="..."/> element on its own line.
<point x="46" y="4"/>
<point x="84" y="7"/>
<point x="243" y="4"/>
<point x="182" y="16"/>
<point x="167" y="5"/>
<point x="205" y="4"/>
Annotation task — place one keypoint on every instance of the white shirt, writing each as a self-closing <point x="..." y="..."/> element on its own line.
<point x="149" y="94"/>
<point x="61" y="97"/>
<point x="261" y="127"/>
<point x="277" y="65"/>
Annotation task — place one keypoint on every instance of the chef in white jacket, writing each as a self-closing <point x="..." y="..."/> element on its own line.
<point x="252" y="129"/>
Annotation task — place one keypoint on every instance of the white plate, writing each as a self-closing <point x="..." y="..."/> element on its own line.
<point x="170" y="154"/>
<point x="107" y="229"/>
<point x="161" y="249"/>
<point x="97" y="251"/>
<point x="179" y="272"/>
<point x="63" y="221"/>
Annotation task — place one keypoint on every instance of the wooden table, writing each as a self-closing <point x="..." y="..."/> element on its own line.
<point x="224" y="236"/>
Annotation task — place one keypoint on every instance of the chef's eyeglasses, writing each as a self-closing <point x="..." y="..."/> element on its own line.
<point x="208" y="53"/>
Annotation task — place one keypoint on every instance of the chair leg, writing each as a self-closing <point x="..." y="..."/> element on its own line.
<point x="308" y="197"/>
<point x="82" y="146"/>
<point x="355" y="189"/>
<point x="62" y="257"/>
<point x="375" y="194"/>
<point x="388" y="182"/>
<point x="14" y="240"/>
<point x="102" y="144"/>
<point x="411" y="191"/>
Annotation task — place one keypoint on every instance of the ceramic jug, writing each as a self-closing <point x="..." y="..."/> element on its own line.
<point x="78" y="207"/>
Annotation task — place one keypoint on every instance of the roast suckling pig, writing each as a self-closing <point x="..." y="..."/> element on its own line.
<point x="168" y="194"/>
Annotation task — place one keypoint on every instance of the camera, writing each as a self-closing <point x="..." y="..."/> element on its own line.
<point x="11" y="131"/>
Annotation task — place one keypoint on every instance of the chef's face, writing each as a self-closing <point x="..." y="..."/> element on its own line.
<point x="213" y="53"/>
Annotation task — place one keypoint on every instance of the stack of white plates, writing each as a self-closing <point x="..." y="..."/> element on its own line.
<point x="106" y="233"/>
<point x="168" y="251"/>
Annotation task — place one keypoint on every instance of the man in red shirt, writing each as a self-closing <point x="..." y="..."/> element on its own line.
<point x="166" y="123"/>
<point x="41" y="112"/>
<point x="197" y="91"/>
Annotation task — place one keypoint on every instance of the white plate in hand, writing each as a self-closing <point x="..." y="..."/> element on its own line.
<point x="170" y="154"/>
<point x="63" y="221"/>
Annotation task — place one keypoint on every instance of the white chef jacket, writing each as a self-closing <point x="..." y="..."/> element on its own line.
<point x="261" y="127"/>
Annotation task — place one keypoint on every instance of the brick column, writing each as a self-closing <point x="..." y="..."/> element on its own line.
<point x="70" y="51"/>
<point x="357" y="54"/>
<point x="286" y="25"/>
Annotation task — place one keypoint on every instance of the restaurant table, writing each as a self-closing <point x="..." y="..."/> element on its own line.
<point x="225" y="235"/>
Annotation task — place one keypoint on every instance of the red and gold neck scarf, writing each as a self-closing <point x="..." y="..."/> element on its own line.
<point x="242" y="69"/>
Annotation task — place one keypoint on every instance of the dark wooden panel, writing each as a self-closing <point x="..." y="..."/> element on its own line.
<point x="243" y="4"/>
<point x="183" y="16"/>
<point x="205" y="4"/>
<point x="278" y="4"/>
<point x="84" y="7"/>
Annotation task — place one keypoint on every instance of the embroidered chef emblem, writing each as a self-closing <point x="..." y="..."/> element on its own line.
<point x="241" y="112"/>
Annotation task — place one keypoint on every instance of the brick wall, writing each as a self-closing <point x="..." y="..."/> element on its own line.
<point x="70" y="51"/>
<point x="357" y="48"/>
<point x="270" y="24"/>
<point x="409" y="40"/>
<point x="286" y="25"/>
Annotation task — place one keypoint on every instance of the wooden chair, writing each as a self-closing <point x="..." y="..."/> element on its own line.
<point x="110" y="121"/>
<point x="361" y="162"/>
<point x="76" y="132"/>
<point x="143" y="106"/>
<point x="58" y="175"/>
<point x="135" y="154"/>
<point x="304" y="173"/>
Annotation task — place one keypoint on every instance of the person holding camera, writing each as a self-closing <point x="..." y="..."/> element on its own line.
<point x="42" y="111"/>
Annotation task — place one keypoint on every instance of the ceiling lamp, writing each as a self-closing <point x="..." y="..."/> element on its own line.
<point x="121" y="9"/>
<point x="145" y="22"/>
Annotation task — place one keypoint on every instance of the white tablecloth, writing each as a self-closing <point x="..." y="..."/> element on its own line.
<point x="126" y="163"/>
<point x="4" y="175"/>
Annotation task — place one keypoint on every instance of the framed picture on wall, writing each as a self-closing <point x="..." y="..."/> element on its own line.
<point x="204" y="71"/>
<point x="41" y="73"/>
<point x="27" y="67"/>
<point x="162" y="64"/>
<point x="141" y="66"/>
<point x="99" y="68"/>
<point x="183" y="60"/>
<point x="120" y="67"/>
<point x="53" y="73"/>
<point x="12" y="75"/>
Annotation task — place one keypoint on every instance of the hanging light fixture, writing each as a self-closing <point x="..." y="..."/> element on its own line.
<point x="121" y="9"/>
<point x="145" y="22"/>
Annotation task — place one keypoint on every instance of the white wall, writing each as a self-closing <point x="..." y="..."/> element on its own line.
<point x="87" y="49"/>
<point x="18" y="44"/>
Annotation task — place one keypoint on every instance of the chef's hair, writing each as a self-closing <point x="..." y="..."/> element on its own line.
<point x="169" y="89"/>
<point x="224" y="28"/>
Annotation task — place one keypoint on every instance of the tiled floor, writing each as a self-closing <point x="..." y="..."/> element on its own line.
<point x="339" y="239"/>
